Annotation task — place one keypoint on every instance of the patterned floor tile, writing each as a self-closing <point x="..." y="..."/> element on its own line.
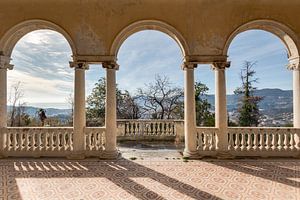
<point x="158" y="178"/>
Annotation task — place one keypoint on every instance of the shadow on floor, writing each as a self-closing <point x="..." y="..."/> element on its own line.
<point x="280" y="170"/>
<point x="120" y="172"/>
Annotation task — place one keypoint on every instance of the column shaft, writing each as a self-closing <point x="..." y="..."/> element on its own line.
<point x="111" y="111"/>
<point x="3" y="97"/>
<point x="79" y="121"/>
<point x="296" y="103"/>
<point x="221" y="110"/>
<point x="189" y="113"/>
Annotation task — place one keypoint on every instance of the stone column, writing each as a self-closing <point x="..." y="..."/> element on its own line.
<point x="79" y="118"/>
<point x="190" y="133"/>
<point x="294" y="65"/>
<point x="4" y="66"/>
<point x="221" y="108"/>
<point x="111" y="110"/>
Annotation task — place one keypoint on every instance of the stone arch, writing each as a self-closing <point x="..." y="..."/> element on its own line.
<point x="149" y="25"/>
<point x="283" y="32"/>
<point x="14" y="34"/>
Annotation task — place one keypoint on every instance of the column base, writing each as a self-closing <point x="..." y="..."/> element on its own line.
<point x="191" y="154"/>
<point x="225" y="155"/>
<point x="2" y="156"/>
<point x="110" y="155"/>
<point x="76" y="156"/>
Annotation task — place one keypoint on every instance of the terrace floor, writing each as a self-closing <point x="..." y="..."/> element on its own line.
<point x="149" y="172"/>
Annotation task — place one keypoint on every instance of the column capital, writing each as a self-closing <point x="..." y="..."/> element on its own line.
<point x="79" y="65"/>
<point x="188" y="65"/>
<point x="294" y="64"/>
<point x="5" y="63"/>
<point x="110" y="65"/>
<point x="220" y="65"/>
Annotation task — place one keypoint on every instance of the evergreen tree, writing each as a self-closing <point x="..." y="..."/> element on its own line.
<point x="248" y="108"/>
<point x="203" y="115"/>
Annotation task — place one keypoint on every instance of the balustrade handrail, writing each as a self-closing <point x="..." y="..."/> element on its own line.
<point x="266" y="128"/>
<point x="37" y="128"/>
<point x="150" y="120"/>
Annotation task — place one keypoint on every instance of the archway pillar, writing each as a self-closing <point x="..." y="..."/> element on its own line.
<point x="4" y="66"/>
<point x="190" y="132"/>
<point x="221" y="109"/>
<point x="294" y="65"/>
<point x="79" y="118"/>
<point x="111" y="110"/>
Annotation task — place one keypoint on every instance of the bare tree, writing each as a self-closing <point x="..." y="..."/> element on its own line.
<point x="16" y="94"/>
<point x="161" y="100"/>
<point x="70" y="101"/>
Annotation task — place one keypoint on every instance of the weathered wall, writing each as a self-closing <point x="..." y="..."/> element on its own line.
<point x="204" y="24"/>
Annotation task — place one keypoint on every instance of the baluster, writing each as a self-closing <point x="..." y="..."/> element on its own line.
<point x="292" y="142"/>
<point x="95" y="140"/>
<point x="285" y="140"/>
<point x="8" y="140"/>
<point x="64" y="142"/>
<point x="33" y="140"/>
<point x="98" y="140"/>
<point x="39" y="140"/>
<point x="211" y="147"/>
<point x="268" y="140"/>
<point x="133" y="124"/>
<point x="200" y="141"/>
<point x="26" y="141"/>
<point x="249" y="140"/>
<point x="125" y="128"/>
<point x="20" y="140"/>
<point x="129" y="129"/>
<point x="243" y="142"/>
<point x="273" y="140"/>
<point x="261" y="141"/>
<point x="205" y="141"/>
<point x="51" y="141"/>
<point x="237" y="140"/>
<point x="255" y="141"/>
<point x="230" y="142"/>
<point x="90" y="141"/>
<point x="58" y="140"/>
<point x="46" y="141"/>
<point x="15" y="141"/>
<point x="280" y="140"/>
<point x="152" y="128"/>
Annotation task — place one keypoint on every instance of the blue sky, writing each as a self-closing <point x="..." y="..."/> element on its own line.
<point x="41" y="64"/>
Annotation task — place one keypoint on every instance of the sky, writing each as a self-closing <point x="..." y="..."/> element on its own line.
<point x="41" y="59"/>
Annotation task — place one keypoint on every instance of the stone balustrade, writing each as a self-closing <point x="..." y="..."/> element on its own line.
<point x="256" y="141"/>
<point x="251" y="141"/>
<point x="150" y="129"/>
<point x="94" y="139"/>
<point x="58" y="142"/>
<point x="36" y="142"/>
<point x="206" y="138"/>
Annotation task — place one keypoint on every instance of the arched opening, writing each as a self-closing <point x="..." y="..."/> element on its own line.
<point x="150" y="91"/>
<point x="41" y="83"/>
<point x="149" y="25"/>
<point x="259" y="85"/>
<point x="14" y="34"/>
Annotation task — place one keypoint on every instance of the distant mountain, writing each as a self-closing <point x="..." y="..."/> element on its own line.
<point x="32" y="111"/>
<point x="275" y="101"/>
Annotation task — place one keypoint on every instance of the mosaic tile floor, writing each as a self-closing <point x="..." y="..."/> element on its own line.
<point x="164" y="176"/>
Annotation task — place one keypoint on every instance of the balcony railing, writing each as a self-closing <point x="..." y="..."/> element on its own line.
<point x="36" y="142"/>
<point x="58" y="142"/>
<point x="251" y="141"/>
<point x="150" y="129"/>
<point x="263" y="141"/>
